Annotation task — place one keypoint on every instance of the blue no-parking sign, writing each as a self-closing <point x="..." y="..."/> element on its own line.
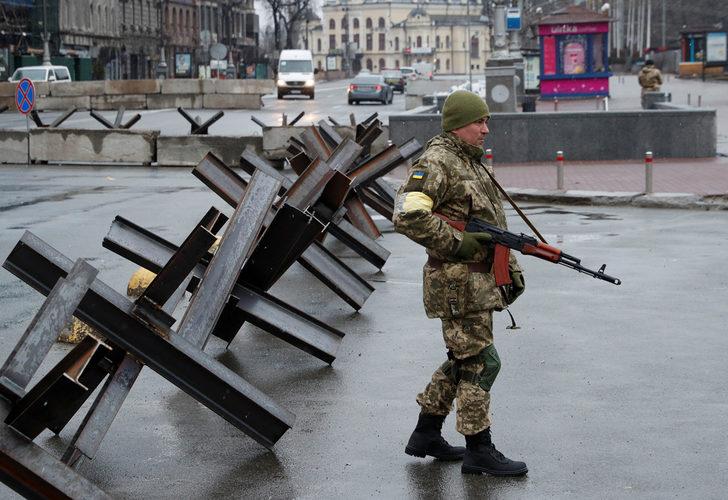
<point x="25" y="96"/>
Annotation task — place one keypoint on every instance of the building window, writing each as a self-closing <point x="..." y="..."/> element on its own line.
<point x="356" y="23"/>
<point x="356" y="40"/>
<point x="409" y="41"/>
<point x="318" y="45"/>
<point x="419" y="41"/>
<point x="332" y="24"/>
<point x="447" y="44"/>
<point x="381" y="22"/>
<point x="332" y="42"/>
<point x="396" y="43"/>
<point x="437" y="65"/>
<point x="396" y="63"/>
<point x="369" y="41"/>
<point x="369" y="64"/>
<point x="382" y="42"/>
<point x="474" y="47"/>
<point x="437" y="42"/>
<point x="369" y="23"/>
<point x="344" y="39"/>
<point x="344" y="24"/>
<point x="319" y="65"/>
<point x="381" y="63"/>
<point x="447" y="64"/>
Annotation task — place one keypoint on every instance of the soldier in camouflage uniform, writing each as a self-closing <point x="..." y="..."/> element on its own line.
<point x="650" y="77"/>
<point x="448" y="183"/>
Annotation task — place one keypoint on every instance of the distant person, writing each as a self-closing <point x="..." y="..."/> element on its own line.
<point x="650" y="77"/>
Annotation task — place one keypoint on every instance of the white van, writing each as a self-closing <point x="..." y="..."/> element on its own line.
<point x="41" y="74"/>
<point x="295" y="73"/>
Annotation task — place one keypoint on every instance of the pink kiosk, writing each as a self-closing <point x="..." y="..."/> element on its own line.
<point x="574" y="54"/>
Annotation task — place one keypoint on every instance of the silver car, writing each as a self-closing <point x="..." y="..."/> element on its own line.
<point x="370" y="88"/>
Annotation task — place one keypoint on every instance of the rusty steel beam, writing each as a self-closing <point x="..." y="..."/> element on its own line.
<point x="360" y="218"/>
<point x="171" y="356"/>
<point x="315" y="144"/>
<point x="376" y="202"/>
<point x="263" y="310"/>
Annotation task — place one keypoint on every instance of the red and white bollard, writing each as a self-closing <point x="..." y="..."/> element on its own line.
<point x="489" y="157"/>
<point x="648" y="172"/>
<point x="560" y="170"/>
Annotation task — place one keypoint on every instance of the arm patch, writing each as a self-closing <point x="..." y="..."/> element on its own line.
<point x="416" y="180"/>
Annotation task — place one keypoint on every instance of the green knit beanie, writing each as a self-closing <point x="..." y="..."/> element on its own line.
<point x="461" y="108"/>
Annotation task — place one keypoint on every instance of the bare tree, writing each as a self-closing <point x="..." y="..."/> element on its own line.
<point x="286" y="14"/>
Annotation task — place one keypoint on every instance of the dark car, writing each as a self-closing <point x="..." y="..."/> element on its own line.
<point x="395" y="78"/>
<point x="370" y="88"/>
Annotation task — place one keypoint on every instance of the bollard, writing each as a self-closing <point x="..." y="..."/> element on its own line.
<point x="648" y="172"/>
<point x="489" y="157"/>
<point x="556" y="104"/>
<point x="606" y="103"/>
<point x="560" y="170"/>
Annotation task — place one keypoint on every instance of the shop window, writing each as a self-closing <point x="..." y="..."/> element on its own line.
<point x="572" y="54"/>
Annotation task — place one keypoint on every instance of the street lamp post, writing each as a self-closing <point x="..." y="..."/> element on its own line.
<point x="46" y="45"/>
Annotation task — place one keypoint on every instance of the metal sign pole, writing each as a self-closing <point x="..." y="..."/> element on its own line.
<point x="27" y="130"/>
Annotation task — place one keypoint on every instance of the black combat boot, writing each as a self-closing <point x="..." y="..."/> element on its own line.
<point x="427" y="440"/>
<point x="481" y="456"/>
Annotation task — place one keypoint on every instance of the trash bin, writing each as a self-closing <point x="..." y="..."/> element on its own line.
<point x="529" y="105"/>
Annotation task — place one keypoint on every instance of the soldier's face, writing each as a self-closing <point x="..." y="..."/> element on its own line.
<point x="473" y="133"/>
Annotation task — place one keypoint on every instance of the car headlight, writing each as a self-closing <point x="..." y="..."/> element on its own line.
<point x="281" y="83"/>
<point x="309" y="83"/>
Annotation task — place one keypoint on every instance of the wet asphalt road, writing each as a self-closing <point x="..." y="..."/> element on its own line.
<point x="605" y="391"/>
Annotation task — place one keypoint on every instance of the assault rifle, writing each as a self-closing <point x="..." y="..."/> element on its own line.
<point x="528" y="245"/>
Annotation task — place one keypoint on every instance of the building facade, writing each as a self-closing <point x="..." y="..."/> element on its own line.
<point x="453" y="36"/>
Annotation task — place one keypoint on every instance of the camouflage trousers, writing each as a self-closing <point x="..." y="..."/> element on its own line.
<point x="465" y="338"/>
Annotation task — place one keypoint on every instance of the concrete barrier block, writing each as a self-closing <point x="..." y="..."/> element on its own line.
<point x="120" y="87"/>
<point x="68" y="89"/>
<point x="62" y="103"/>
<point x="207" y="86"/>
<point x="244" y="86"/>
<point x="165" y="101"/>
<point x="232" y="101"/>
<point x="190" y="149"/>
<point x="429" y="87"/>
<point x="7" y="89"/>
<point x="181" y="86"/>
<point x="42" y="88"/>
<point x="110" y="102"/>
<point x="10" y="103"/>
<point x="14" y="145"/>
<point x="76" y="145"/>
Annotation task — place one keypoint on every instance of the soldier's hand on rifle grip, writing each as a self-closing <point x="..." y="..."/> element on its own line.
<point x="471" y="244"/>
<point x="516" y="288"/>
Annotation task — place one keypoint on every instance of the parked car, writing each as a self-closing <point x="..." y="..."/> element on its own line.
<point x="395" y="78"/>
<point x="409" y="72"/>
<point x="370" y="88"/>
<point x="41" y="74"/>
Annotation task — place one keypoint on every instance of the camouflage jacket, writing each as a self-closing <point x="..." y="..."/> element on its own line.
<point x="650" y="78"/>
<point x="450" y="179"/>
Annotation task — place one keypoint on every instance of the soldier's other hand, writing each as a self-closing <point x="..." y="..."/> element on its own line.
<point x="516" y="288"/>
<point x="472" y="243"/>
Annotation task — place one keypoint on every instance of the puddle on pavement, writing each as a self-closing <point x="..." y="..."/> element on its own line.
<point x="550" y="210"/>
<point x="57" y="197"/>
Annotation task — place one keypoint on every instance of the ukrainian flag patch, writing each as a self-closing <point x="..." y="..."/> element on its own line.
<point x="418" y="174"/>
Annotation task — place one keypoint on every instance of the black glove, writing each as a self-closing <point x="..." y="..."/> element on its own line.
<point x="471" y="244"/>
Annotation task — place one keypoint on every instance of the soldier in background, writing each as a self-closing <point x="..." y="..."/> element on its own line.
<point x="650" y="77"/>
<point x="449" y="183"/>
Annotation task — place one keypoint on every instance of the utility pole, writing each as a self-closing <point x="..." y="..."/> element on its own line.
<point x="46" y="45"/>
